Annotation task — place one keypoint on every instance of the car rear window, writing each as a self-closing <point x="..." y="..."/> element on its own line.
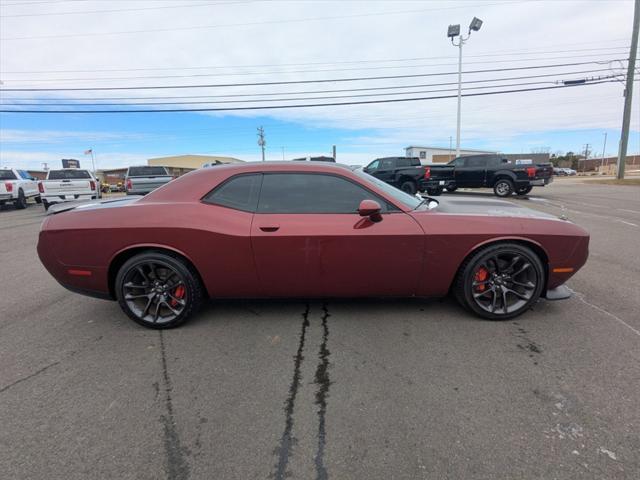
<point x="68" y="175"/>
<point x="146" y="171"/>
<point x="7" y="175"/>
<point x="240" y="193"/>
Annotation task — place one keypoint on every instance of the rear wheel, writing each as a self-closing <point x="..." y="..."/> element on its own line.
<point x="503" y="187"/>
<point x="409" y="187"/>
<point x="500" y="282"/>
<point x="435" y="191"/>
<point x="451" y="188"/>
<point x="21" y="201"/>
<point x="524" y="190"/>
<point x="158" y="290"/>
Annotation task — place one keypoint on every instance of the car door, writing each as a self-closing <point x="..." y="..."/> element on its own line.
<point x="309" y="240"/>
<point x="472" y="172"/>
<point x="29" y="186"/>
<point x="385" y="169"/>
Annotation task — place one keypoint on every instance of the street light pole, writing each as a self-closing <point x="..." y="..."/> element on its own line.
<point x="452" y="32"/>
<point x="604" y="147"/>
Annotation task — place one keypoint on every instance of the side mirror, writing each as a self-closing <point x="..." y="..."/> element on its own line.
<point x="371" y="209"/>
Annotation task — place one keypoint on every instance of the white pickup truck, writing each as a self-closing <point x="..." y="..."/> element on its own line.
<point x="17" y="186"/>
<point x="68" y="185"/>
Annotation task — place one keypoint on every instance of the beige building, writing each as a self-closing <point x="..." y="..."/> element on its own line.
<point x="181" y="164"/>
<point x="429" y="155"/>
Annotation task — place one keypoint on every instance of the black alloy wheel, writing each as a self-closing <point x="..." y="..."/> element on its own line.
<point x="524" y="190"/>
<point x="21" y="202"/>
<point x="503" y="187"/>
<point x="409" y="187"/>
<point x="500" y="281"/>
<point x="158" y="290"/>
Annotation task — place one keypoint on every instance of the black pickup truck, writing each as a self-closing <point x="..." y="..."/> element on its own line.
<point x="486" y="171"/>
<point x="405" y="173"/>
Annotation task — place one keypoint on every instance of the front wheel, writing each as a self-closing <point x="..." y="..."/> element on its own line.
<point x="503" y="187"/>
<point x="434" y="191"/>
<point x="500" y="282"/>
<point x="524" y="190"/>
<point x="158" y="290"/>
<point x="38" y="199"/>
<point x="451" y="188"/>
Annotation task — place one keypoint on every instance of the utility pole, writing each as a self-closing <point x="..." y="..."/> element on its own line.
<point x="604" y="147"/>
<point x="450" y="142"/>
<point x="628" y="91"/>
<point x="261" y="141"/>
<point x="586" y="155"/>
<point x="334" y="152"/>
<point x="282" y="153"/>
<point x="453" y="32"/>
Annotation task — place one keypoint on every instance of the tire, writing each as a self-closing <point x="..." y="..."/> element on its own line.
<point x="503" y="187"/>
<point x="150" y="296"/>
<point x="451" y="188"/>
<point x="409" y="187"/>
<point x="21" y="202"/>
<point x="524" y="190"/>
<point x="38" y="199"/>
<point x="435" y="191"/>
<point x="46" y="205"/>
<point x="493" y="270"/>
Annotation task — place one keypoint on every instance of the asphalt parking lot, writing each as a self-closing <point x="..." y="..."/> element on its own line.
<point x="375" y="389"/>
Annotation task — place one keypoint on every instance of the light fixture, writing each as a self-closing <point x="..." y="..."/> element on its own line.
<point x="453" y="31"/>
<point x="475" y="24"/>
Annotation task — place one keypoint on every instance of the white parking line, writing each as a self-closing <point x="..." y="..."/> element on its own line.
<point x="627" y="210"/>
<point x="627" y="223"/>
<point x="581" y="297"/>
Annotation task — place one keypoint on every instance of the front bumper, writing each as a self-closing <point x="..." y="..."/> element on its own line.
<point x="561" y="292"/>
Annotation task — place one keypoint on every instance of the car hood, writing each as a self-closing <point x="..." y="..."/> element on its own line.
<point x="487" y="206"/>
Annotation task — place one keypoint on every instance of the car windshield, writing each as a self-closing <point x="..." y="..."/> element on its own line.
<point x="7" y="175"/>
<point x="146" y="171"/>
<point x="68" y="174"/>
<point x="405" y="199"/>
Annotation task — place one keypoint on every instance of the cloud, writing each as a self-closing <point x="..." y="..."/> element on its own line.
<point x="539" y="33"/>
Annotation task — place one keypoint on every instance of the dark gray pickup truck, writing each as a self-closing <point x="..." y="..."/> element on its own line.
<point x="486" y="171"/>
<point x="144" y="179"/>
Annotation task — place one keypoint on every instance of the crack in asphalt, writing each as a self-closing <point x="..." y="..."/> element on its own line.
<point x="34" y="374"/>
<point x="323" y="382"/>
<point x="177" y="466"/>
<point x="287" y="440"/>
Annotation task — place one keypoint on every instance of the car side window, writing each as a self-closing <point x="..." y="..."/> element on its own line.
<point x="239" y="192"/>
<point x="373" y="165"/>
<point x="387" y="163"/>
<point x="312" y="193"/>
<point x="478" y="161"/>
<point x="24" y="175"/>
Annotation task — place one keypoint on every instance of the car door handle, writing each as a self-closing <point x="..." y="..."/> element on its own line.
<point x="273" y="228"/>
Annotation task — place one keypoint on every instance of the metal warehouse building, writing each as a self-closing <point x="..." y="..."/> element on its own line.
<point x="439" y="155"/>
<point x="181" y="164"/>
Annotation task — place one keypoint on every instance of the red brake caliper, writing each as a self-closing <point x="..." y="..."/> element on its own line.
<point x="481" y="275"/>
<point x="177" y="293"/>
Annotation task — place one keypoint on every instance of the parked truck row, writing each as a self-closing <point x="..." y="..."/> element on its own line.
<point x="504" y="176"/>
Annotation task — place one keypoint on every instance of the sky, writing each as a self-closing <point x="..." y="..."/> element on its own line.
<point x="189" y="43"/>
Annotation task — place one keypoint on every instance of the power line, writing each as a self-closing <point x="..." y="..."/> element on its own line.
<point x="296" y="82"/>
<point x="235" y="74"/>
<point x="260" y="100"/>
<point x="340" y="90"/>
<point x="46" y="14"/>
<point x="260" y="65"/>
<point x="249" y="24"/>
<point x="274" y="107"/>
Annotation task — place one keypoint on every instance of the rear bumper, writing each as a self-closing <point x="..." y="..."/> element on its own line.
<point x="51" y="199"/>
<point x="6" y="196"/>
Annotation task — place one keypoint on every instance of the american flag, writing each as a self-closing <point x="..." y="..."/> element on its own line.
<point x="88" y="152"/>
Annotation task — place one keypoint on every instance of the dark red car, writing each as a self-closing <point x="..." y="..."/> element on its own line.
<point x="305" y="230"/>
